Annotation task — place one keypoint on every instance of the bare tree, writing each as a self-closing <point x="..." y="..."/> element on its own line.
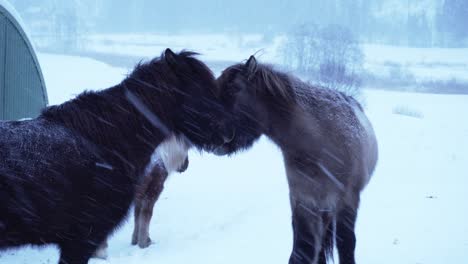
<point x="329" y="56"/>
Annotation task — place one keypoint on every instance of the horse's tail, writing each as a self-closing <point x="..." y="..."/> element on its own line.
<point x="329" y="242"/>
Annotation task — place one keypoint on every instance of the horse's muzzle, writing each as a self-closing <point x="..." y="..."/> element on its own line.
<point x="221" y="150"/>
<point x="184" y="166"/>
<point x="230" y="138"/>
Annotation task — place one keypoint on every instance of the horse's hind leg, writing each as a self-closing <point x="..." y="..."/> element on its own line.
<point x="345" y="236"/>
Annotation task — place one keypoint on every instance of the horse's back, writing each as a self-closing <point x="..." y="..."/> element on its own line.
<point x="31" y="171"/>
<point x="34" y="148"/>
<point x="344" y="133"/>
<point x="47" y="172"/>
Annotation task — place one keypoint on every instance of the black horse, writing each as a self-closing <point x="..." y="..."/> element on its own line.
<point x="329" y="149"/>
<point x="69" y="176"/>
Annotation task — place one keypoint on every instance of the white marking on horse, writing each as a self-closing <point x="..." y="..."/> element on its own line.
<point x="173" y="152"/>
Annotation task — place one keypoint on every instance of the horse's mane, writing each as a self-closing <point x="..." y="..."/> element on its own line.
<point x="287" y="89"/>
<point x="107" y="112"/>
<point x="184" y="67"/>
<point x="161" y="70"/>
<point x="278" y="84"/>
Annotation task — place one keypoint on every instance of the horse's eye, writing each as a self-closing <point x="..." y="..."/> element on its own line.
<point x="232" y="89"/>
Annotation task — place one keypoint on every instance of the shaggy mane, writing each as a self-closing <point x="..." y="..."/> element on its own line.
<point x="278" y="84"/>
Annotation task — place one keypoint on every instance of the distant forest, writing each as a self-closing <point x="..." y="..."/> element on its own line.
<point x="421" y="23"/>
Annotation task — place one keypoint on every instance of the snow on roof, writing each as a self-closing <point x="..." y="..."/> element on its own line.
<point x="12" y="11"/>
<point x="13" y="14"/>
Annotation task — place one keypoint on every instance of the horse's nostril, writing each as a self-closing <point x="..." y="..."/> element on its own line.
<point x="184" y="166"/>
<point x="228" y="139"/>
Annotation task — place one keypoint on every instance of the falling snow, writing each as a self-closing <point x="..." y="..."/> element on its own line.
<point x="236" y="210"/>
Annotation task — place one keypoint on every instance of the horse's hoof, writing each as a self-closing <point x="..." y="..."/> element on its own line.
<point x="101" y="254"/>
<point x="146" y="243"/>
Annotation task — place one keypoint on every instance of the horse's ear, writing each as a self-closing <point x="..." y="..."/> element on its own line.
<point x="170" y="56"/>
<point x="251" y="65"/>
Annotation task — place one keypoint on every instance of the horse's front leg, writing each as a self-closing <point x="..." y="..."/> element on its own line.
<point x="140" y="195"/>
<point x="137" y="219"/>
<point x="146" y="213"/>
<point x="308" y="231"/>
<point x="101" y="252"/>
<point x="77" y="251"/>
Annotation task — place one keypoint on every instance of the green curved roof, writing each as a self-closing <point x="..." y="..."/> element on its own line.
<point x="22" y="89"/>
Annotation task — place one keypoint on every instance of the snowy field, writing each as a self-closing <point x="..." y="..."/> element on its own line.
<point x="425" y="64"/>
<point x="236" y="210"/>
<point x="420" y="64"/>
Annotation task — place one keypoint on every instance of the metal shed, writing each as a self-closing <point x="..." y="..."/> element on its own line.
<point x="22" y="88"/>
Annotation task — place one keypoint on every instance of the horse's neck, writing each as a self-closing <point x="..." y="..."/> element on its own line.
<point x="282" y="125"/>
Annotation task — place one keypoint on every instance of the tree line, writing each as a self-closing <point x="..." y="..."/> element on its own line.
<point x="423" y="23"/>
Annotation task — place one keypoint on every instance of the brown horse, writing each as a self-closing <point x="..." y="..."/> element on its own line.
<point x="170" y="155"/>
<point x="329" y="149"/>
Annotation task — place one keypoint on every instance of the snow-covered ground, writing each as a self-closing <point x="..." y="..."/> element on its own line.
<point x="384" y="61"/>
<point x="424" y="64"/>
<point x="236" y="210"/>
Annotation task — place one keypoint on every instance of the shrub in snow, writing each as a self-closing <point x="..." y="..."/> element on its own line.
<point x="407" y="111"/>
